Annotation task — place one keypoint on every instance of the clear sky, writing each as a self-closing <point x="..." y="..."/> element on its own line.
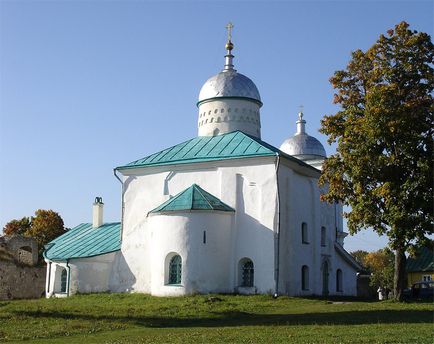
<point x="86" y="86"/>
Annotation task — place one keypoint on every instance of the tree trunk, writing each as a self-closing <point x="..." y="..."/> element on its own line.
<point x="399" y="277"/>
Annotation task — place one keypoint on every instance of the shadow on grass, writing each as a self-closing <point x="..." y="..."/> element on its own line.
<point x="251" y="319"/>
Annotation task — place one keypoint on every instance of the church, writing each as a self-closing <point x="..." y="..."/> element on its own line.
<point x="223" y="212"/>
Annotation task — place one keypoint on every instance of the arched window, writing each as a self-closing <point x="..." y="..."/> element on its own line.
<point x="323" y="236"/>
<point x="305" y="277"/>
<point x="247" y="273"/>
<point x="63" y="280"/>
<point x="304" y="233"/>
<point x="339" y="280"/>
<point x="175" y="267"/>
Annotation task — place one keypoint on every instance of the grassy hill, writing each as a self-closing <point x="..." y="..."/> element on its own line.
<point x="137" y="318"/>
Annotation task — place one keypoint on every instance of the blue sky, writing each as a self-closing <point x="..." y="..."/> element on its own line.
<point x="87" y="86"/>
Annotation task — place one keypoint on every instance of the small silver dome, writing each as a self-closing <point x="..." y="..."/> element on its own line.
<point x="229" y="83"/>
<point x="302" y="145"/>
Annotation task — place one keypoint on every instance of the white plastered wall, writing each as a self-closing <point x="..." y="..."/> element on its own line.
<point x="251" y="227"/>
<point x="205" y="265"/>
<point x="300" y="202"/>
<point x="85" y="275"/>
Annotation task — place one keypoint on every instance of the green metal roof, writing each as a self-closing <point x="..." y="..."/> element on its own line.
<point x="193" y="198"/>
<point x="84" y="241"/>
<point x="232" y="145"/>
<point x="424" y="261"/>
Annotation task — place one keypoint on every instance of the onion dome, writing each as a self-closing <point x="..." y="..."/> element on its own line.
<point x="229" y="83"/>
<point x="229" y="101"/>
<point x="303" y="146"/>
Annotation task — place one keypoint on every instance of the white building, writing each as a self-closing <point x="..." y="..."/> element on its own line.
<point x="223" y="212"/>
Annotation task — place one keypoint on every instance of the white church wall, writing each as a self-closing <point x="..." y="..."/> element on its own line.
<point x="205" y="257"/>
<point x="253" y="225"/>
<point x="300" y="208"/>
<point x="91" y="275"/>
<point x="349" y="277"/>
<point x="85" y="275"/>
<point x="300" y="203"/>
<point x="332" y="221"/>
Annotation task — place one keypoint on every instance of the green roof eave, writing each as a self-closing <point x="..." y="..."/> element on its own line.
<point x="61" y="258"/>
<point x="190" y="161"/>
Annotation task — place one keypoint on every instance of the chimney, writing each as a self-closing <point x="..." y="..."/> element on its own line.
<point x="98" y="206"/>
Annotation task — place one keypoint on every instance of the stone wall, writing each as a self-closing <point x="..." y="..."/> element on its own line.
<point x="21" y="282"/>
<point x="20" y="278"/>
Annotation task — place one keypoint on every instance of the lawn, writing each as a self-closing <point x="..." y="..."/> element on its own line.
<point x="137" y="318"/>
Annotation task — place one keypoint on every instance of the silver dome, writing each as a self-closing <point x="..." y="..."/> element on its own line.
<point x="303" y="145"/>
<point x="229" y="83"/>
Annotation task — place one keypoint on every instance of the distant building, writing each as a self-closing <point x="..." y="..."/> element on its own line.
<point x="421" y="267"/>
<point x="223" y="212"/>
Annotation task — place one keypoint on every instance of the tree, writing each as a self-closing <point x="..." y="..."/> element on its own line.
<point x="45" y="226"/>
<point x="17" y="227"/>
<point x="360" y="256"/>
<point x="384" y="133"/>
<point x="381" y="266"/>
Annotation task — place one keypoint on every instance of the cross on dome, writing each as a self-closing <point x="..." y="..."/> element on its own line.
<point x="229" y="27"/>
<point x="229" y="46"/>
<point x="300" y="114"/>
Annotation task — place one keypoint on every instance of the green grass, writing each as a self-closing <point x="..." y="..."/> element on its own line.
<point x="137" y="318"/>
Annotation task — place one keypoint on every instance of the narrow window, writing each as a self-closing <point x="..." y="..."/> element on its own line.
<point x="305" y="277"/>
<point x="247" y="273"/>
<point x="63" y="278"/>
<point x="323" y="236"/>
<point x="175" y="266"/>
<point x="204" y="237"/>
<point x="304" y="233"/>
<point x="339" y="280"/>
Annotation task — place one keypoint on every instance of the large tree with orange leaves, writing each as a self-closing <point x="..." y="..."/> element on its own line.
<point x="383" y="167"/>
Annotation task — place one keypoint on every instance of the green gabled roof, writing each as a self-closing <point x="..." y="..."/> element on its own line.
<point x="84" y="241"/>
<point x="232" y="145"/>
<point x="193" y="198"/>
<point x="423" y="261"/>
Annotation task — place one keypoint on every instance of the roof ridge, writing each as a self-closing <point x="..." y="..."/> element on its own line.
<point x="198" y="199"/>
<point x="203" y="149"/>
<point x="199" y="189"/>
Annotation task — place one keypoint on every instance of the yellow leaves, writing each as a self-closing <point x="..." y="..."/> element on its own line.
<point x="377" y="261"/>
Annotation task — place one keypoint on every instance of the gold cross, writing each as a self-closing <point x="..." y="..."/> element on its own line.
<point x="301" y="108"/>
<point x="229" y="27"/>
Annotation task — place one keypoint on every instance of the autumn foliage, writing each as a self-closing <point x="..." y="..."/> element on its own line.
<point x="45" y="226"/>
<point x="384" y="130"/>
